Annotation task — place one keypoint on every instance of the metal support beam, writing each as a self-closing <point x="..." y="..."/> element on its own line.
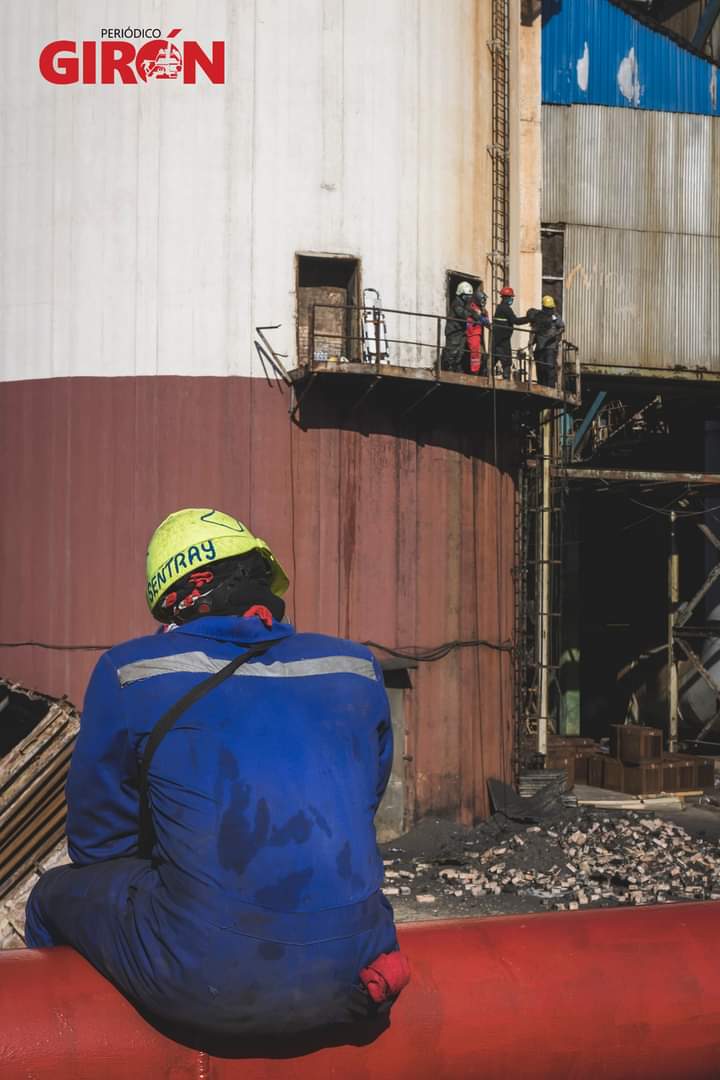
<point x="365" y="394"/>
<point x="275" y="358"/>
<point x="584" y="429"/>
<point x="639" y="476"/>
<point x="710" y="536"/>
<point x="411" y="408"/>
<point x="705" y="24"/>
<point x="687" y="609"/>
<point x="697" y="664"/>
<point x="299" y="398"/>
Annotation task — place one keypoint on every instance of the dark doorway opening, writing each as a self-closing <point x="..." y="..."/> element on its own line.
<point x="453" y="279"/>
<point x="552" y="239"/>
<point x="328" y="289"/>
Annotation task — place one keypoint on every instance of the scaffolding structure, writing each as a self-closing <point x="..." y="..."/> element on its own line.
<point x="539" y="544"/>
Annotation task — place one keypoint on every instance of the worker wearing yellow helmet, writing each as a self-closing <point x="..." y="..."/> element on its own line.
<point x="221" y="803"/>
<point x="201" y="561"/>
<point x="547" y="330"/>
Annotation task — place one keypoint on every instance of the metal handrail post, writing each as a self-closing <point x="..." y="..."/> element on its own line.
<point x="437" y="347"/>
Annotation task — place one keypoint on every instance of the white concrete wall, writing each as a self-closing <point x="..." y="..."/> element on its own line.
<point x="147" y="229"/>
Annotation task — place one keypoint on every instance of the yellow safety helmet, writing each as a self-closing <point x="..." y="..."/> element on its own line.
<point x="194" y="538"/>
<point x="547" y="301"/>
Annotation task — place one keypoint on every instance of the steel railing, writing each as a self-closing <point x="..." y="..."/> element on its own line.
<point x="363" y="338"/>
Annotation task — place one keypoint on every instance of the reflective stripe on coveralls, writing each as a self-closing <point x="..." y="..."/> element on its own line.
<point x="199" y="663"/>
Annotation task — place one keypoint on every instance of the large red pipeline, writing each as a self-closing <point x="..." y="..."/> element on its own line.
<point x="618" y="995"/>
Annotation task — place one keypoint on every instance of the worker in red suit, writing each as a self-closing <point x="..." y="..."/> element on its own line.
<point x="477" y="320"/>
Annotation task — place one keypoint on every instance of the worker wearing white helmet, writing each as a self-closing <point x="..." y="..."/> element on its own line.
<point x="455" y="328"/>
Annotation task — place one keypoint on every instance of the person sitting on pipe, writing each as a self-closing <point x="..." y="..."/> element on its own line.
<point x="225" y="873"/>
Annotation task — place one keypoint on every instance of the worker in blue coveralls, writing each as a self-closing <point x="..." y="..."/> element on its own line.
<point x="225" y="873"/>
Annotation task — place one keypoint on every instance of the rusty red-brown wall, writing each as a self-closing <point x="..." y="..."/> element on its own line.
<point x="400" y="535"/>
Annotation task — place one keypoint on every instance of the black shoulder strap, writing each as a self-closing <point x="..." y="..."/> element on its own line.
<point x="146" y="832"/>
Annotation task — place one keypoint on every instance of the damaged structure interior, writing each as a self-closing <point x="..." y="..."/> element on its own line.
<point x="631" y="253"/>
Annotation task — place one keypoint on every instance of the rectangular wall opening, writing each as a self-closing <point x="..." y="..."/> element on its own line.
<point x="553" y="263"/>
<point x="328" y="289"/>
<point x="453" y="279"/>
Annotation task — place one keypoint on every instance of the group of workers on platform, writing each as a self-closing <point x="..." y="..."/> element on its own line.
<point x="468" y="318"/>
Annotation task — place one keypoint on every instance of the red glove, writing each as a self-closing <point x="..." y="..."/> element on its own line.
<point x="386" y="976"/>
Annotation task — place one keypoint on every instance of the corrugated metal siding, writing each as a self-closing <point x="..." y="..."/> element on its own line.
<point x="584" y="44"/>
<point x="642" y="299"/>
<point x="631" y="170"/>
<point x="400" y="536"/>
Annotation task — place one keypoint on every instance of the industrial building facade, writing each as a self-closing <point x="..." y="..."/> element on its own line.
<point x="150" y="229"/>
<point x="186" y="269"/>
<point x="631" y="235"/>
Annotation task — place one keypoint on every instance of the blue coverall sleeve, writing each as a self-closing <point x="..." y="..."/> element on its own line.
<point x="385" y="739"/>
<point x="102" y="793"/>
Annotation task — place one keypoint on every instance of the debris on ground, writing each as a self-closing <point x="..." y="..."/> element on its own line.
<point x="12" y="906"/>
<point x="584" y="858"/>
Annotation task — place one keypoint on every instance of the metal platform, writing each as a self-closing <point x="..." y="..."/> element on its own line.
<point x="370" y="376"/>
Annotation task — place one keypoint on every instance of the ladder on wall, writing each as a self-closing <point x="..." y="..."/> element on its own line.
<point x="500" y="147"/>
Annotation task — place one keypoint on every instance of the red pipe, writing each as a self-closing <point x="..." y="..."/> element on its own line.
<point x="619" y="995"/>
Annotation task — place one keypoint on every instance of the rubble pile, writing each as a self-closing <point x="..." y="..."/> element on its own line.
<point x="568" y="864"/>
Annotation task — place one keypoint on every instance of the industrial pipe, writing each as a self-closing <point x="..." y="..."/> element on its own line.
<point x="625" y="994"/>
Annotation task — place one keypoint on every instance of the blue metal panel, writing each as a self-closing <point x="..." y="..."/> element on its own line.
<point x="595" y="53"/>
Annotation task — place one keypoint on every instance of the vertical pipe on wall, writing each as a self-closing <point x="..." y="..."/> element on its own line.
<point x="673" y="599"/>
<point x="544" y="525"/>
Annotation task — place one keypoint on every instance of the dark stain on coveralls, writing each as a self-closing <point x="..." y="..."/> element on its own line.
<point x="297" y="828"/>
<point x="227" y="765"/>
<point x="344" y="866"/>
<point x="285" y="894"/>
<point x="238" y="844"/>
<point x="271" y="950"/>
<point x="320" y="821"/>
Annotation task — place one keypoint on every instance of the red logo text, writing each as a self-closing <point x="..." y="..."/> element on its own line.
<point x="108" y="62"/>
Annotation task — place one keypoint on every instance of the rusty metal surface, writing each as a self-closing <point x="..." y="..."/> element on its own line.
<point x="401" y="535"/>
<point x="639" y="476"/>
<point x="568" y="389"/>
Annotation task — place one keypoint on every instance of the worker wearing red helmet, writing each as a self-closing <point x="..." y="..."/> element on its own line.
<point x="504" y="321"/>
